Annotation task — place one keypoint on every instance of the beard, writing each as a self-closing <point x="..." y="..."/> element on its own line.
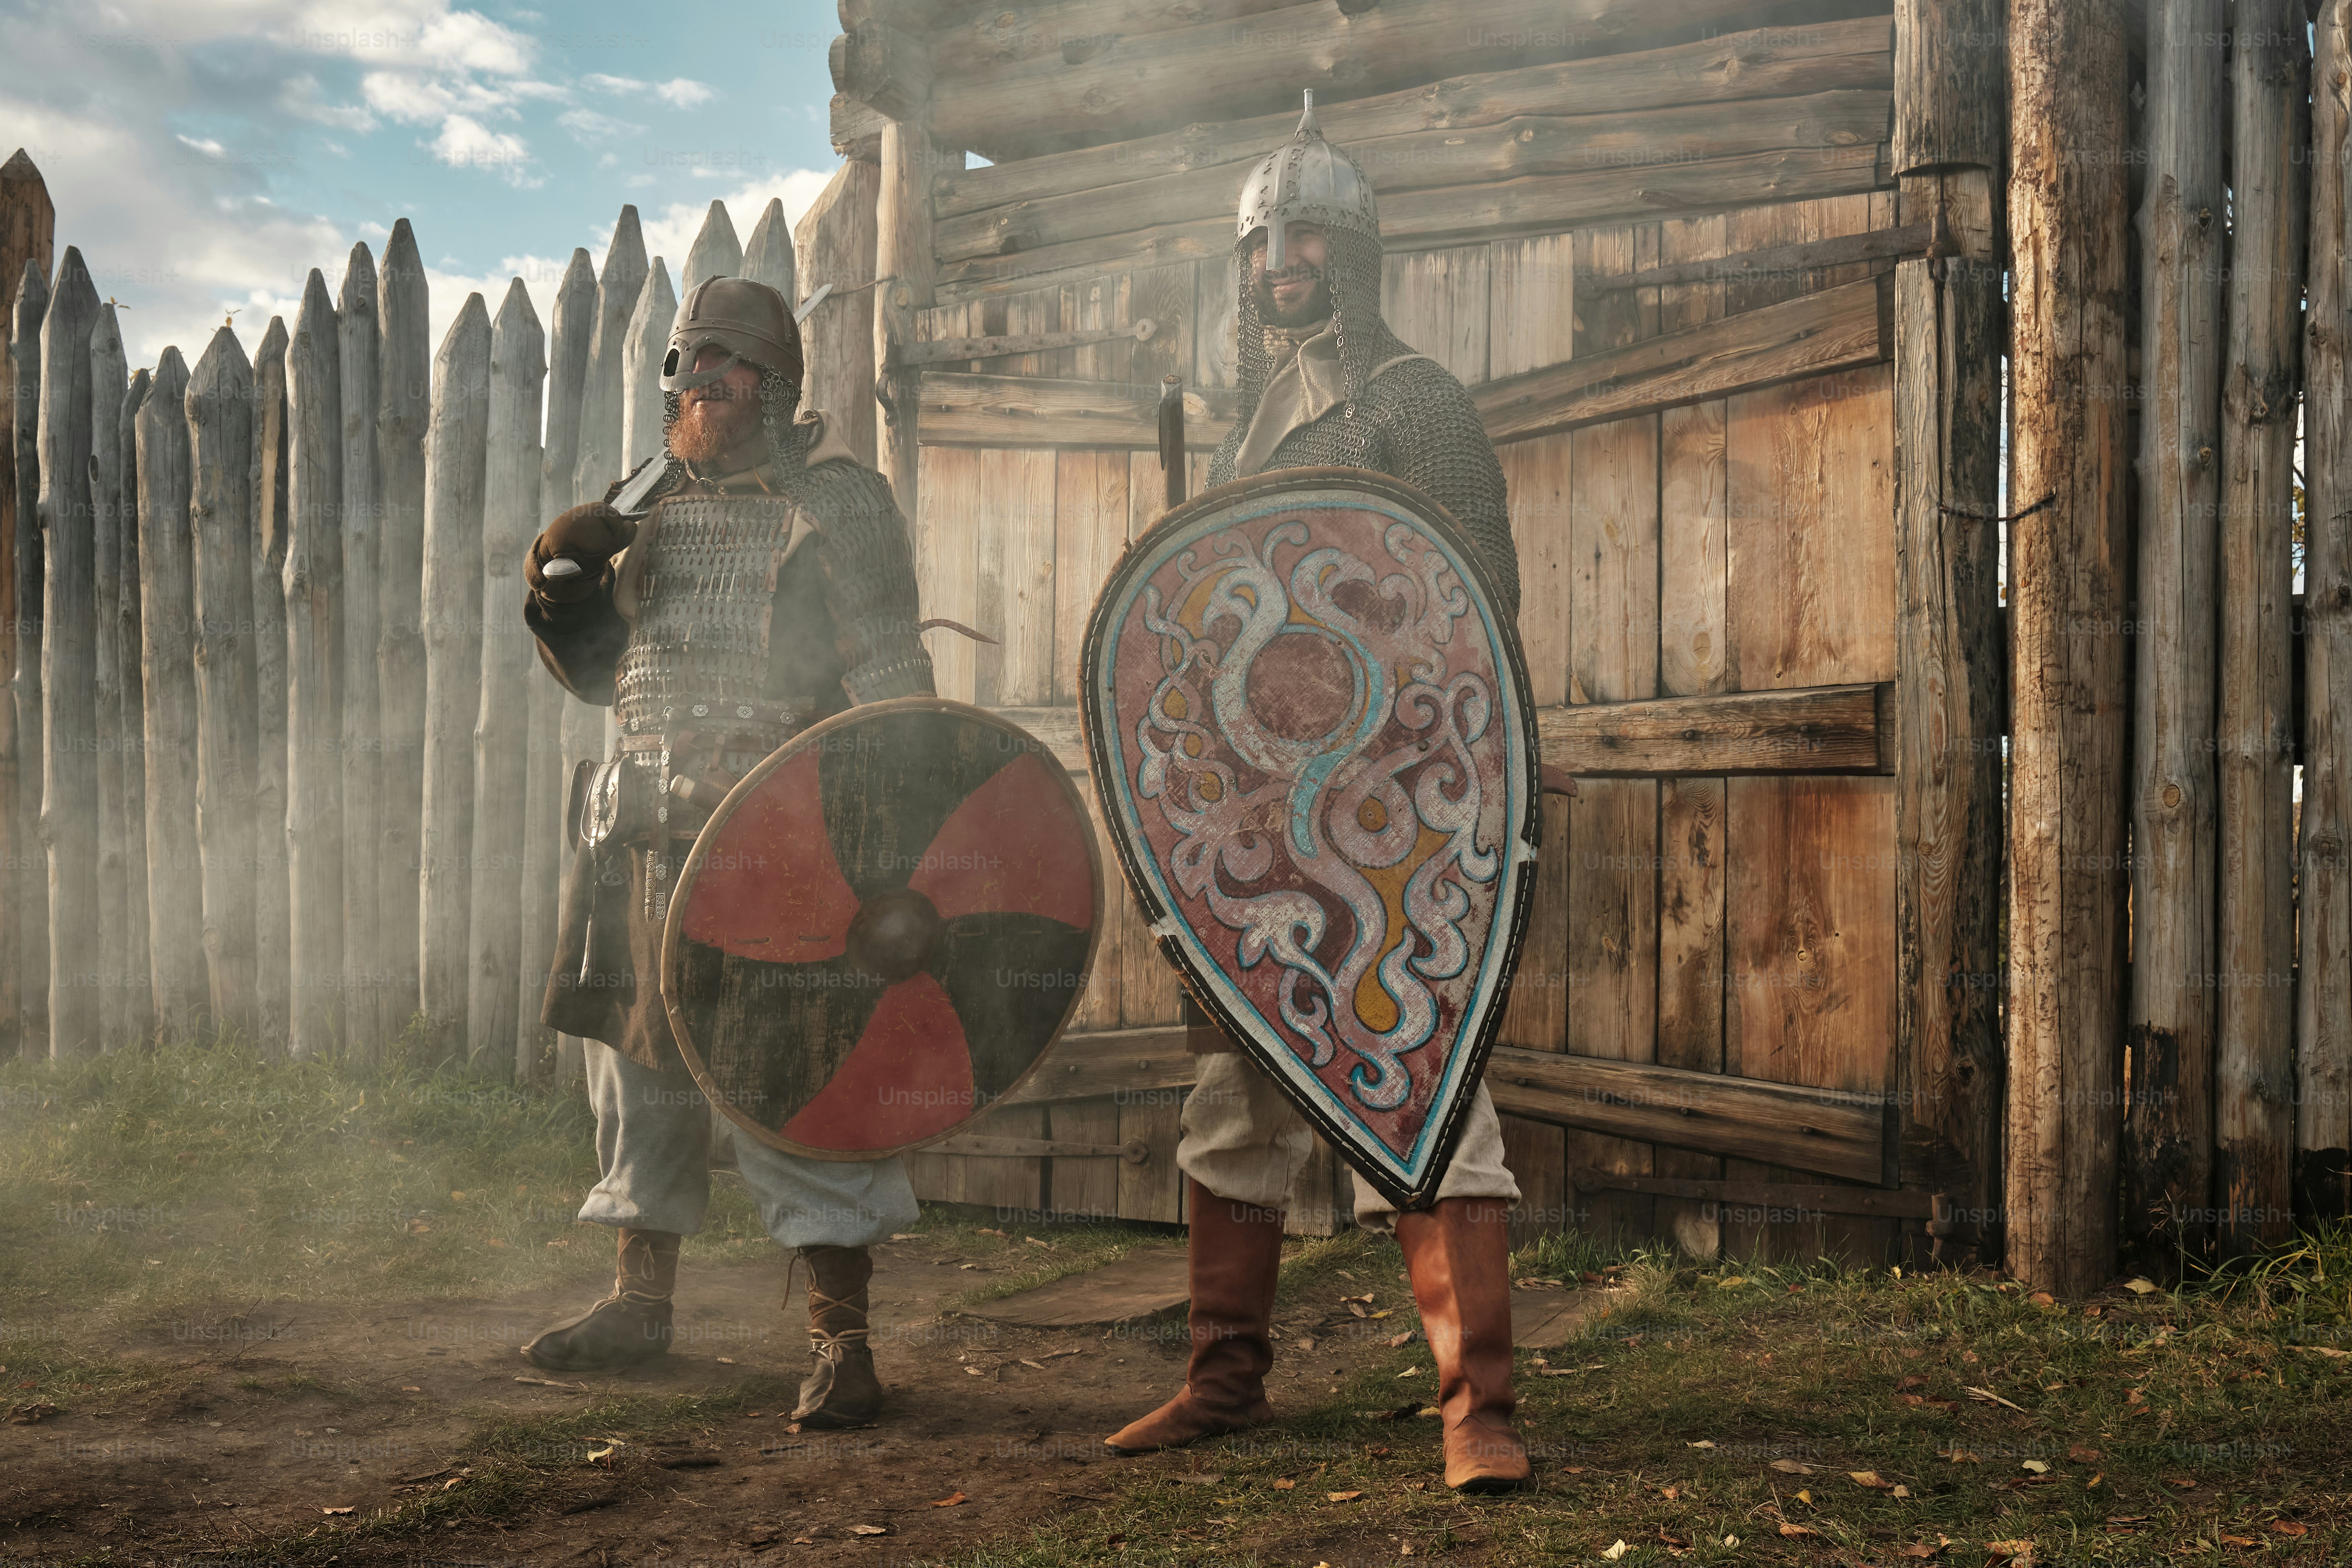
<point x="711" y="423"/>
<point x="1317" y="308"/>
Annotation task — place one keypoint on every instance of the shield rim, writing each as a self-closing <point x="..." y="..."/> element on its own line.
<point x="1520" y="895"/>
<point x="673" y="925"/>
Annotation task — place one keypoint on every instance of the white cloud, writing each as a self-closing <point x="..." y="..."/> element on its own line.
<point x="207" y="146"/>
<point x="466" y="143"/>
<point x="678" y="93"/>
<point x="587" y="126"/>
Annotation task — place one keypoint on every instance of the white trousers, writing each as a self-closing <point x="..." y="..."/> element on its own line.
<point x="653" y="1146"/>
<point x="1245" y="1141"/>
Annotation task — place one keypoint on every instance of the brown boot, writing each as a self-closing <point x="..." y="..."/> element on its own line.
<point x="1458" y="1254"/>
<point x="841" y="1390"/>
<point x="629" y="1326"/>
<point x="1235" y="1256"/>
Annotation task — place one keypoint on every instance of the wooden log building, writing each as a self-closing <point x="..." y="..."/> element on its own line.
<point x="1724" y="280"/>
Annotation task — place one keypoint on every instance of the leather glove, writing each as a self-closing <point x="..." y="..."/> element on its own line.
<point x="588" y="537"/>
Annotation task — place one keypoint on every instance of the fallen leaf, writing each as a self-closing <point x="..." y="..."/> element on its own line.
<point x="597" y="1454"/>
<point x="1735" y="1281"/>
<point x="1989" y="1397"/>
<point x="2330" y="1351"/>
<point x="2083" y="1455"/>
<point x="985" y="1231"/>
<point x="726" y="1361"/>
<point x="975" y="1371"/>
<point x="1912" y="1381"/>
<point x="1959" y="1456"/>
<point x="1396" y="1341"/>
<point x="2022" y="1550"/>
<point x="2042" y="1299"/>
<point x="1900" y="1491"/>
<point x="2141" y="1285"/>
<point x="334" y="1511"/>
<point x="1792" y="1466"/>
<point x="2038" y="1467"/>
<point x="1788" y="1528"/>
<point x="1614" y="1552"/>
<point x="2094" y="1480"/>
<point x="1870" y="1479"/>
<point x="2289" y="1527"/>
<point x="1922" y="1550"/>
<point x="1702" y="1443"/>
<point x="2237" y="1541"/>
<point x="2186" y="1483"/>
<point x="1532" y="1283"/>
<point x="410" y="1388"/>
<point x="1342" y="1497"/>
<point x="952" y="1500"/>
<point x="870" y="1528"/>
<point x="1283" y="1484"/>
<point x="1805" y="1497"/>
<point x="31" y="1411"/>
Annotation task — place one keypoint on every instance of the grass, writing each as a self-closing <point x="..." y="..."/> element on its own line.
<point x="1730" y="1400"/>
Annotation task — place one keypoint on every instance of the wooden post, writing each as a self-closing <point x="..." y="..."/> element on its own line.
<point x="2068" y="596"/>
<point x="138" y="988"/>
<point x="2323" y="1121"/>
<point x="2254" y="1079"/>
<point x="167" y="614"/>
<point x="70" y="661"/>
<point x="30" y="909"/>
<point x="545" y="856"/>
<point x="220" y="454"/>
<point x="715" y="253"/>
<point x="641" y="359"/>
<point x="109" y="369"/>
<point x="902" y="286"/>
<point x="28" y="226"/>
<point x="264" y="551"/>
<point x="454" y="458"/>
<point x="2168" y="1110"/>
<point x="501" y="744"/>
<point x="371" y="1014"/>
<point x="314" y="642"/>
<point x="617" y="288"/>
<point x="1951" y="701"/>
<point x="404" y="408"/>
<point x="768" y="254"/>
<point x="836" y="241"/>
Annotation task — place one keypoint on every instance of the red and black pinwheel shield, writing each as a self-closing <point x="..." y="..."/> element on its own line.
<point x="882" y="929"/>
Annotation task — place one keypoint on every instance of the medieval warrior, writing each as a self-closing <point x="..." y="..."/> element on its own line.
<point x="769" y="586"/>
<point x="1324" y="382"/>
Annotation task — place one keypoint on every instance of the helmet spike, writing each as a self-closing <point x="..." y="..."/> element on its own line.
<point x="1306" y="125"/>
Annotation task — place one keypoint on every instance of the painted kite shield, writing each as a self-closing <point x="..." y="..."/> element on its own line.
<point x="1310" y="729"/>
<point x="881" y="928"/>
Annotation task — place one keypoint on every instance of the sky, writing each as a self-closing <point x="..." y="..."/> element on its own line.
<point x="207" y="154"/>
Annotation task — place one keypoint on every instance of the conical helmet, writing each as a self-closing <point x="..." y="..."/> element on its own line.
<point x="1308" y="180"/>
<point x="748" y="320"/>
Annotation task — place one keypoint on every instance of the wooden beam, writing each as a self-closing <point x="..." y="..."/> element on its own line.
<point x="1773" y="62"/>
<point x="2168" y="1153"/>
<point x="1816" y="730"/>
<point x="1116" y="1061"/>
<point x="1947" y="703"/>
<point x="1775" y="261"/>
<point x="2323" y="1131"/>
<point x="902" y="286"/>
<point x="1822" y="1131"/>
<point x="2070" y="244"/>
<point x="2254" y="1088"/>
<point x="886" y="70"/>
<point x="1819" y="730"/>
<point x="857" y="130"/>
<point x="1522" y="146"/>
<point x="1949" y="63"/>
<point x="963" y="409"/>
<point x="27" y="235"/>
<point x="835" y="239"/>
<point x="1812" y="334"/>
<point x="1800" y="1201"/>
<point x="1459" y="215"/>
<point x="1217" y="70"/>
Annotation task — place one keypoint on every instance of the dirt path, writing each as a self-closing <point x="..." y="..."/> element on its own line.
<point x="264" y="1422"/>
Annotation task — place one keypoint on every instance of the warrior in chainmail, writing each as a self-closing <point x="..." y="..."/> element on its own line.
<point x="1324" y="382"/>
<point x="769" y="586"/>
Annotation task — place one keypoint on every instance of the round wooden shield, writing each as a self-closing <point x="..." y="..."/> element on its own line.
<point x="882" y="929"/>
<point x="1309" y="725"/>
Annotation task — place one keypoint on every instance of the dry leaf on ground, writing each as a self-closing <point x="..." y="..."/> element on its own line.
<point x="1921" y="1549"/>
<point x="952" y="1500"/>
<point x="1792" y="1466"/>
<point x="2141" y="1285"/>
<point x="2038" y="1467"/>
<point x="334" y="1511"/>
<point x="1702" y="1443"/>
<point x="1342" y="1497"/>
<point x="1617" y="1550"/>
<point x="1870" y="1479"/>
<point x="1283" y="1484"/>
<point x="1788" y="1528"/>
<point x="2289" y="1527"/>
<point x="2083" y="1454"/>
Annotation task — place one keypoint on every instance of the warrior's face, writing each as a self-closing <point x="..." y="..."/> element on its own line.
<point x="1299" y="295"/>
<point x="720" y="421"/>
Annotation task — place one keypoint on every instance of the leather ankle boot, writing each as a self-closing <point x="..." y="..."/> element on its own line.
<point x="1458" y="1254"/>
<point x="841" y="1390"/>
<point x="629" y="1326"/>
<point x="1235" y="1258"/>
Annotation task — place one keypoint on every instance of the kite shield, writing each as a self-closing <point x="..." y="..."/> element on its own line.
<point x="881" y="928"/>
<point x="1309" y="725"/>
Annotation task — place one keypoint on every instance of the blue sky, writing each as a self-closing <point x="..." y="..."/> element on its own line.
<point x="205" y="154"/>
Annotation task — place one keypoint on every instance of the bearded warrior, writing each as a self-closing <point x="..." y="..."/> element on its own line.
<point x="769" y="586"/>
<point x="1324" y="381"/>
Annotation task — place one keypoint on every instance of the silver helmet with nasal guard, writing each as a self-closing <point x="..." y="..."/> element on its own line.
<point x="1305" y="180"/>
